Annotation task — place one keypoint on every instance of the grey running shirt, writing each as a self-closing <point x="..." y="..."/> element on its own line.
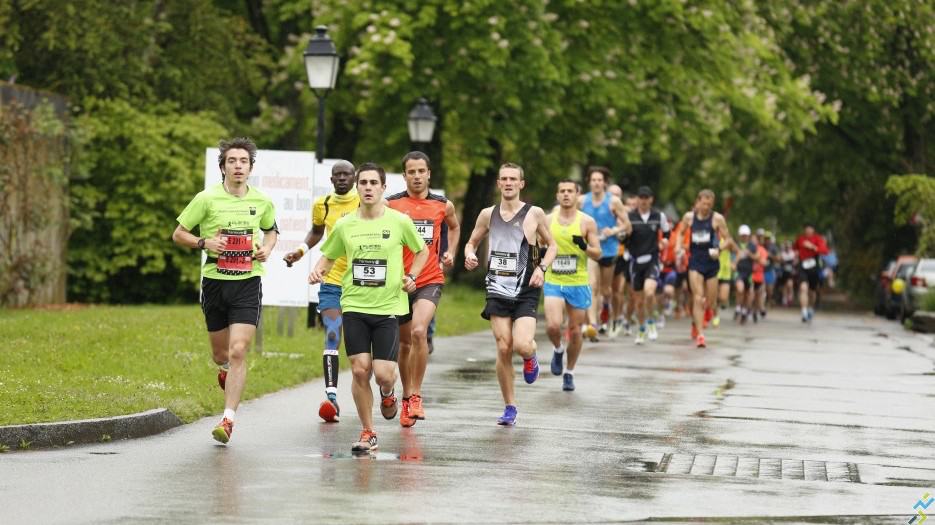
<point x="508" y="261"/>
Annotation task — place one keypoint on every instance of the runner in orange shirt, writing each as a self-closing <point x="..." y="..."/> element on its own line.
<point x="428" y="212"/>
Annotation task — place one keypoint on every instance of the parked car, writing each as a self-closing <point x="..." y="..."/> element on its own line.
<point x="921" y="282"/>
<point x="887" y="304"/>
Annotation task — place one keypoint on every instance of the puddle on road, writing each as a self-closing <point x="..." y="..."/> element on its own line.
<point x="476" y="371"/>
<point x="375" y="456"/>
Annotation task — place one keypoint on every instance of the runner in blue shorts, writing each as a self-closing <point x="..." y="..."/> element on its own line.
<point x="566" y="283"/>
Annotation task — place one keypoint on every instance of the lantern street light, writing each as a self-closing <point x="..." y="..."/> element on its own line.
<point x="321" y="66"/>
<point x="421" y="122"/>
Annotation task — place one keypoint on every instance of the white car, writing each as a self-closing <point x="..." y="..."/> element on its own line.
<point x="921" y="282"/>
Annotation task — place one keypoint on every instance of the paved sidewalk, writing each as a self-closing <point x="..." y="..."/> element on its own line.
<point x="778" y="422"/>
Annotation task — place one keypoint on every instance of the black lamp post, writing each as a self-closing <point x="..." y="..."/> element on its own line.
<point x="421" y="123"/>
<point x="321" y="66"/>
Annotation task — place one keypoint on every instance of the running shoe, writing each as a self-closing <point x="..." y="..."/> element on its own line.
<point x="557" y="365"/>
<point x="568" y="383"/>
<point x="415" y="407"/>
<point x="605" y="313"/>
<point x="590" y="332"/>
<point x="388" y="406"/>
<point x="329" y="410"/>
<point x="716" y="321"/>
<point x="404" y="419"/>
<point x="661" y="321"/>
<point x="222" y="377"/>
<point x="615" y="327"/>
<point x="223" y="431"/>
<point x="509" y="416"/>
<point x="756" y="316"/>
<point x="603" y="329"/>
<point x="652" y="333"/>
<point x="700" y="342"/>
<point x="641" y="336"/>
<point x="763" y="314"/>
<point x="366" y="443"/>
<point x="708" y="315"/>
<point x="531" y="369"/>
<point x="627" y="328"/>
<point x="694" y="332"/>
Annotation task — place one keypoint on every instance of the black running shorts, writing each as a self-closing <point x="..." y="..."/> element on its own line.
<point x="526" y="304"/>
<point x="607" y="262"/>
<point x="622" y="267"/>
<point x="371" y="334"/>
<point x="810" y="276"/>
<point x="228" y="302"/>
<point x="640" y="273"/>
<point x="429" y="292"/>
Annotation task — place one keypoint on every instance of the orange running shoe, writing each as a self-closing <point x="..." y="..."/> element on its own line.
<point x="388" y="406"/>
<point x="222" y="377"/>
<point x="366" y="443"/>
<point x="415" y="407"/>
<point x="694" y="332"/>
<point x="404" y="419"/>
<point x="223" y="431"/>
<point x="700" y="342"/>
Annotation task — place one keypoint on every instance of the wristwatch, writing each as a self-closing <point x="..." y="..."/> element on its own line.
<point x="412" y="277"/>
<point x="201" y="243"/>
<point x="543" y="267"/>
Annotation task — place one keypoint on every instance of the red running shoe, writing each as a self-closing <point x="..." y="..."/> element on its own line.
<point x="700" y="342"/>
<point x="222" y="377"/>
<point x="388" y="405"/>
<point x="415" y="407"/>
<point x="708" y="315"/>
<point x="404" y="419"/>
<point x="223" y="431"/>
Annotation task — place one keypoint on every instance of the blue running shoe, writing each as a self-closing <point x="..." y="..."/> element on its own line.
<point x="508" y="418"/>
<point x="557" y="363"/>
<point x="531" y="369"/>
<point x="568" y="383"/>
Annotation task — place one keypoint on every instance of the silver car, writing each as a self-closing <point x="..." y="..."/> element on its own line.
<point x="921" y="281"/>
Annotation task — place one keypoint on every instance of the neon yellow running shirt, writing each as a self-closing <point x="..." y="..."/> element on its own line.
<point x="570" y="267"/>
<point x="724" y="273"/>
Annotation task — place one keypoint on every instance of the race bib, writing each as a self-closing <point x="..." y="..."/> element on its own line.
<point x="237" y="258"/>
<point x="808" y="264"/>
<point x="701" y="237"/>
<point x="426" y="229"/>
<point x="369" y="272"/>
<point x="643" y="259"/>
<point x="565" y="264"/>
<point x="503" y="263"/>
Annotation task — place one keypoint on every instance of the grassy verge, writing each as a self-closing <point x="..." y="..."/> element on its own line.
<point x="98" y="361"/>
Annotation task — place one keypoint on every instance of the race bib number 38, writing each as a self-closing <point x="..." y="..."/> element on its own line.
<point x="565" y="264"/>
<point x="369" y="272"/>
<point x="503" y="263"/>
<point x="426" y="229"/>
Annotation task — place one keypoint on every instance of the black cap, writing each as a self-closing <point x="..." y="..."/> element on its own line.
<point x="644" y="191"/>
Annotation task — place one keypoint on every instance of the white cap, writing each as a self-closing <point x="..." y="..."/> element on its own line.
<point x="744" y="230"/>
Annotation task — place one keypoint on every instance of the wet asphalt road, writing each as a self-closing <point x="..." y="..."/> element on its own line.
<point x="777" y="422"/>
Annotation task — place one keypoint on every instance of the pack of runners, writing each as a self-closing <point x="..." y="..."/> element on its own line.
<point x="605" y="262"/>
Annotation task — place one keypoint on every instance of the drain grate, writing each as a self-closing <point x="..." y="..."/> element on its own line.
<point x="762" y="468"/>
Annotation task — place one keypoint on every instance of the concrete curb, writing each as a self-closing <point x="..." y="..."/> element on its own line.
<point x="62" y="433"/>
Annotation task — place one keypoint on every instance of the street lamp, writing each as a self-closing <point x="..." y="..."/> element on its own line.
<point x="321" y="66"/>
<point x="421" y="122"/>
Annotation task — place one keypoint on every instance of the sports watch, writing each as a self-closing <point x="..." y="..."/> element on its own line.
<point x="201" y="243"/>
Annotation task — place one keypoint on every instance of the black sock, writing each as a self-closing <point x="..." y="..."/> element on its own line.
<point x="330" y="367"/>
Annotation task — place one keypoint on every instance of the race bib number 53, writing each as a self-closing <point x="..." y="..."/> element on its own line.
<point x="369" y="272"/>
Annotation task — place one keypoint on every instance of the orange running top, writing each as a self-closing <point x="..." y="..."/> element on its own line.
<point x="427" y="214"/>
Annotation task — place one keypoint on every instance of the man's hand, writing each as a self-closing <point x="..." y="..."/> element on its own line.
<point x="263" y="253"/>
<point x="409" y="285"/>
<point x="810" y="245"/>
<point x="448" y="260"/>
<point x="293" y="256"/>
<point x="315" y="276"/>
<point x="470" y="261"/>
<point x="536" y="279"/>
<point x="215" y="244"/>
<point x="607" y="233"/>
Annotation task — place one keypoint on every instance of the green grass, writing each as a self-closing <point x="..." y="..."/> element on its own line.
<point x="98" y="361"/>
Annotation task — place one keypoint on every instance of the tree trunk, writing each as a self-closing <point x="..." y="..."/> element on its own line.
<point x="478" y="196"/>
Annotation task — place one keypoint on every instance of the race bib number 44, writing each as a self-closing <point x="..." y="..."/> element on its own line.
<point x="426" y="229"/>
<point x="369" y="272"/>
<point x="565" y="264"/>
<point x="503" y="263"/>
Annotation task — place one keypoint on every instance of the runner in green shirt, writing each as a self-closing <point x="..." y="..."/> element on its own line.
<point x="374" y="292"/>
<point x="230" y="217"/>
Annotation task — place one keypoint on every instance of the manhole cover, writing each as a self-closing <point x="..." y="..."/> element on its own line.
<point x="750" y="467"/>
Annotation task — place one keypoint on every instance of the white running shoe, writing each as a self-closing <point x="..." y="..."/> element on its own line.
<point x="653" y="334"/>
<point x="641" y="337"/>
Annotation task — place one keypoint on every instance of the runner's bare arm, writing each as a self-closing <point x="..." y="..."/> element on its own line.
<point x="186" y="239"/>
<point x="544" y="234"/>
<point x="589" y="229"/>
<point x="320" y="270"/>
<point x="623" y="219"/>
<point x="481" y="228"/>
<point x="311" y="239"/>
<point x="269" y="242"/>
<point x="454" y="235"/>
<point x="686" y="223"/>
<point x="720" y="223"/>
